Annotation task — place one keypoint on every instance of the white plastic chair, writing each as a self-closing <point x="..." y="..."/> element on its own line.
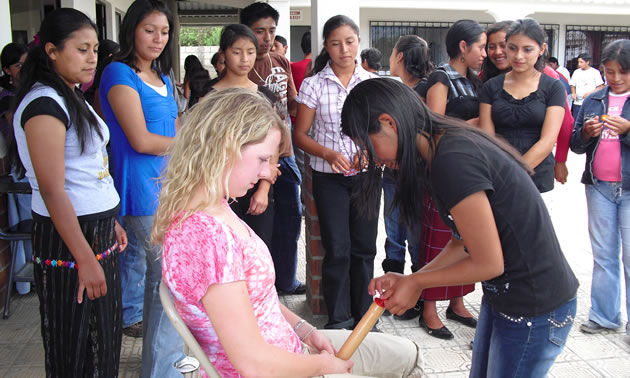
<point x="184" y="332"/>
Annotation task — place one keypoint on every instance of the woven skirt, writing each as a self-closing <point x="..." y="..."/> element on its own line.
<point x="435" y="235"/>
<point x="80" y="340"/>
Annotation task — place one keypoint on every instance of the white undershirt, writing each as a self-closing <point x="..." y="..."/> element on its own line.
<point x="160" y="90"/>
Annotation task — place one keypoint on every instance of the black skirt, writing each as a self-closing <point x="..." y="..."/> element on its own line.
<point x="80" y="340"/>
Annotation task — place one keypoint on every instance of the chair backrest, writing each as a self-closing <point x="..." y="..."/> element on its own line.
<point x="184" y="332"/>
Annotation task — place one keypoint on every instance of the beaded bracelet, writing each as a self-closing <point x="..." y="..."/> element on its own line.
<point x="72" y="264"/>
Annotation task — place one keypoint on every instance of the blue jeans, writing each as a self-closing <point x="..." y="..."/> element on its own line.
<point x="161" y="345"/>
<point x="513" y="346"/>
<point x="286" y="225"/>
<point x="133" y="268"/>
<point x="609" y="228"/>
<point x="397" y="233"/>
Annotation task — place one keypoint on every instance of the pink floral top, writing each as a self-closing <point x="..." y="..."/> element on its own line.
<point x="204" y="251"/>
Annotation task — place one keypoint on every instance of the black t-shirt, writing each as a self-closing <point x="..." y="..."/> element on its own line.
<point x="537" y="277"/>
<point x="458" y="105"/>
<point x="520" y="121"/>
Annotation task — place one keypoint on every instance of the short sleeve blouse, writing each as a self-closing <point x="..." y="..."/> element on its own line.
<point x="135" y="174"/>
<point x="520" y="121"/>
<point x="203" y="251"/>
<point x="324" y="93"/>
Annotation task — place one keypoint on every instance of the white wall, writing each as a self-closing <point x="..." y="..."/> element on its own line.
<point x="85" y="6"/>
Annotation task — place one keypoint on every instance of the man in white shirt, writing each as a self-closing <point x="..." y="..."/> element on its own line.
<point x="553" y="62"/>
<point x="585" y="80"/>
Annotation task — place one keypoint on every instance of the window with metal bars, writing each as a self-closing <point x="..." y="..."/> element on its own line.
<point x="590" y="39"/>
<point x="385" y="34"/>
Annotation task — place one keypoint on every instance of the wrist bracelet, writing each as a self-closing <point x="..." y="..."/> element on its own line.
<point x="308" y="333"/>
<point x="298" y="325"/>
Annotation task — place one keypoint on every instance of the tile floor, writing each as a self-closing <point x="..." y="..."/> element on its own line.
<point x="602" y="355"/>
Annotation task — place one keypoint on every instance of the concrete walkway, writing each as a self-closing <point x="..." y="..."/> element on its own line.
<point x="603" y="355"/>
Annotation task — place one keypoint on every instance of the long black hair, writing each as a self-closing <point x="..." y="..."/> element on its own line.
<point x="57" y="27"/>
<point x="470" y="32"/>
<point x="532" y="30"/>
<point x="359" y="118"/>
<point x="415" y="52"/>
<point x="618" y="51"/>
<point x="106" y="50"/>
<point x="373" y="57"/>
<point x="488" y="69"/>
<point x="137" y="12"/>
<point x="11" y="54"/>
<point x="330" y="25"/>
<point x="191" y="64"/>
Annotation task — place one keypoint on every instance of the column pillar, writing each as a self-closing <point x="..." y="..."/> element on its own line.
<point x="284" y="23"/>
<point x="86" y="6"/>
<point x="321" y="11"/>
<point x="172" y="6"/>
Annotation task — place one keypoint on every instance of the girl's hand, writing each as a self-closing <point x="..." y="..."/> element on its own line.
<point x="92" y="279"/>
<point x="258" y="203"/>
<point x="592" y="129"/>
<point x="399" y="292"/>
<point x="334" y="365"/>
<point x="274" y="170"/>
<point x="618" y="125"/>
<point x="318" y="342"/>
<point x="338" y="162"/>
<point x="561" y="172"/>
<point x="121" y="236"/>
<point x="360" y="161"/>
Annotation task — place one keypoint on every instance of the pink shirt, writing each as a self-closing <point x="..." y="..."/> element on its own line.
<point x="324" y="93"/>
<point x="607" y="160"/>
<point x="204" y="251"/>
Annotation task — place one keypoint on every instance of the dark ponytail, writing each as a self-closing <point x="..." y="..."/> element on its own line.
<point x="56" y="28"/>
<point x="330" y="25"/>
<point x="415" y="52"/>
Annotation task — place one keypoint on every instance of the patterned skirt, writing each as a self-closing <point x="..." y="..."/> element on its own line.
<point x="80" y="340"/>
<point x="435" y="235"/>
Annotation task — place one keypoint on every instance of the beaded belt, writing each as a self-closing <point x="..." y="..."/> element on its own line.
<point x="72" y="264"/>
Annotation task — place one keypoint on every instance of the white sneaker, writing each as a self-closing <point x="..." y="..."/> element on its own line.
<point x="626" y="338"/>
<point x="187" y="365"/>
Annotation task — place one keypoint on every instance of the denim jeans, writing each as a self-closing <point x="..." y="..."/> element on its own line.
<point x="609" y="228"/>
<point x="161" y="345"/>
<point x="513" y="346"/>
<point x="286" y="225"/>
<point x="133" y="268"/>
<point x="397" y="233"/>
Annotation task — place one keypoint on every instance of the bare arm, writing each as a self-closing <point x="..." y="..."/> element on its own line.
<point x="125" y="103"/>
<point x="475" y="222"/>
<point x="437" y="97"/>
<point x="485" y="118"/>
<point x="548" y="136"/>
<point x="46" y="136"/>
<point x="228" y="304"/>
